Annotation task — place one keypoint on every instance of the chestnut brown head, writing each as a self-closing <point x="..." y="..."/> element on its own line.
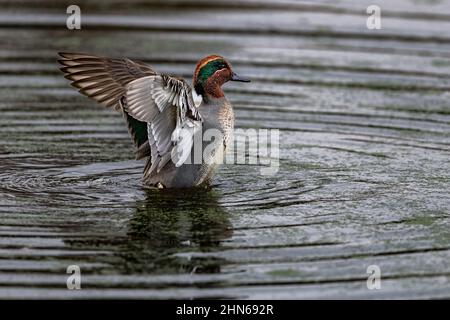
<point x="211" y="73"/>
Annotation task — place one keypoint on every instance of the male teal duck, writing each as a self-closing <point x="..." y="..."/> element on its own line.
<point x="163" y="113"/>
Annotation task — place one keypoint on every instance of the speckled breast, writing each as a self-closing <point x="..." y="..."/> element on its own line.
<point x="219" y="117"/>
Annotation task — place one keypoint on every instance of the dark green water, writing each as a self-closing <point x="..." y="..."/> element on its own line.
<point x="364" y="176"/>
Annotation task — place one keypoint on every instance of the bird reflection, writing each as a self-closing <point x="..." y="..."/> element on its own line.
<point x="169" y="225"/>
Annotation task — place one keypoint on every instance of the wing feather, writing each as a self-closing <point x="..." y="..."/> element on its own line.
<point x="104" y="80"/>
<point x="157" y="105"/>
<point x="95" y="76"/>
<point x="163" y="102"/>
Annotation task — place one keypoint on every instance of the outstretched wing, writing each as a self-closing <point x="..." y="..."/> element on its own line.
<point x="105" y="80"/>
<point x="160" y="112"/>
<point x="166" y="105"/>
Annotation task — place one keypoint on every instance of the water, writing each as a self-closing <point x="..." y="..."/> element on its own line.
<point x="364" y="178"/>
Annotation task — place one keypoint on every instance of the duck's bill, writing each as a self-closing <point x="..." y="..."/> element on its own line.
<point x="235" y="77"/>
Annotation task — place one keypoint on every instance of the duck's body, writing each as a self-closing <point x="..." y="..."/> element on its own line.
<point x="183" y="133"/>
<point x="217" y="115"/>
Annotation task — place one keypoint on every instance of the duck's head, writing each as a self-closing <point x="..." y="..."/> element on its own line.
<point x="211" y="73"/>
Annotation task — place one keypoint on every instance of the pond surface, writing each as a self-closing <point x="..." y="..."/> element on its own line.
<point x="364" y="177"/>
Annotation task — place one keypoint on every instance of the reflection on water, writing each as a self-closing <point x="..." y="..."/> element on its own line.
<point x="170" y="222"/>
<point x="168" y="218"/>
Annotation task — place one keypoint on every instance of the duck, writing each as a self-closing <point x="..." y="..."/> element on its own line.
<point x="181" y="131"/>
